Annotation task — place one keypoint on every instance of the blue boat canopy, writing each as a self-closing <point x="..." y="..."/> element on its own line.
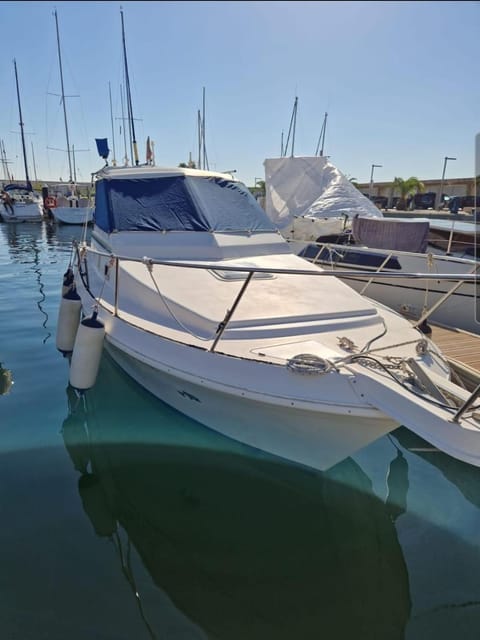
<point x="177" y="203"/>
<point x="16" y="186"/>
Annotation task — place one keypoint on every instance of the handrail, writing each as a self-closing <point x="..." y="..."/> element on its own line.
<point x="223" y="325"/>
<point x="302" y="272"/>
<point x="369" y="282"/>
<point x="445" y="296"/>
<point x="148" y="262"/>
<point x="467" y="404"/>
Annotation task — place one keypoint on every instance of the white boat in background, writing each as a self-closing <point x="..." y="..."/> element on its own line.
<point x="308" y="197"/>
<point x="199" y="299"/>
<point x="72" y="210"/>
<point x="26" y="204"/>
<point x="372" y="244"/>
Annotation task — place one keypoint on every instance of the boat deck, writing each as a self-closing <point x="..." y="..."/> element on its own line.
<point x="462" y="349"/>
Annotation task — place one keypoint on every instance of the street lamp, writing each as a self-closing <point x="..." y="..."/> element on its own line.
<point x="439" y="196"/>
<point x="370" y="189"/>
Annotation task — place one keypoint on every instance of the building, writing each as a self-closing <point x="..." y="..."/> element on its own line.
<point x="451" y="187"/>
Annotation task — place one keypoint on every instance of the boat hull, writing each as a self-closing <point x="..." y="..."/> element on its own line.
<point x="412" y="297"/>
<point x="22" y="213"/>
<point x="72" y="215"/>
<point x="313" y="437"/>
<point x="457" y="311"/>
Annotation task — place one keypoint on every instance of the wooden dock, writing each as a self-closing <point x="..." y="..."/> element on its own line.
<point x="462" y="349"/>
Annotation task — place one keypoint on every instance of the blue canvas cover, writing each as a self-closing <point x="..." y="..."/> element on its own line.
<point x="177" y="203"/>
<point x="13" y="186"/>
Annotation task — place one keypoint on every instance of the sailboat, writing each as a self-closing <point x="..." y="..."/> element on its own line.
<point x="26" y="205"/>
<point x="71" y="209"/>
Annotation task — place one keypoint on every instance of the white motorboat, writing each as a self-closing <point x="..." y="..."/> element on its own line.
<point x="306" y="196"/>
<point x="204" y="304"/>
<point x="72" y="210"/>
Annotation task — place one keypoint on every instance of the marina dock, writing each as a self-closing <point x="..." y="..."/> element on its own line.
<point x="462" y="350"/>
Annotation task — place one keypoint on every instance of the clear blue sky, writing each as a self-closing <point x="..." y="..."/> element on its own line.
<point x="399" y="80"/>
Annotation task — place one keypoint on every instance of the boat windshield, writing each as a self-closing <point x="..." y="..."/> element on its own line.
<point x="177" y="203"/>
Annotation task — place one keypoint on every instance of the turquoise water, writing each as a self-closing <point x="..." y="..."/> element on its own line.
<point x="122" y="519"/>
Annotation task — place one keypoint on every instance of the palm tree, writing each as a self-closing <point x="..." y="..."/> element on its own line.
<point x="406" y="188"/>
<point x="353" y="181"/>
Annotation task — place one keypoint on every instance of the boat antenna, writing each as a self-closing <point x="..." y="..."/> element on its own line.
<point x="114" y="162"/>
<point x="129" y="95"/>
<point x="63" y="97"/>
<point x="321" y="139"/>
<point x="27" y="178"/>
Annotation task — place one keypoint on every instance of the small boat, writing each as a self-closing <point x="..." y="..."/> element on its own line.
<point x="198" y="297"/>
<point x="25" y="204"/>
<point x="72" y="209"/>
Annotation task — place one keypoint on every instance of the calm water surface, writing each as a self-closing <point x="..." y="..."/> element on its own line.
<point x="121" y="519"/>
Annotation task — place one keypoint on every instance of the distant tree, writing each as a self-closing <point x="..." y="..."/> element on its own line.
<point x="188" y="165"/>
<point x="406" y="188"/>
<point x="258" y="189"/>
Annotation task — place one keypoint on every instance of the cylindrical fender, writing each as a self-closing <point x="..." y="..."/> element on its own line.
<point x="68" y="321"/>
<point x="87" y="353"/>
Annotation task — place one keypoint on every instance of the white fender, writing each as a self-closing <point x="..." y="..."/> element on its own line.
<point x="68" y="321"/>
<point x="87" y="353"/>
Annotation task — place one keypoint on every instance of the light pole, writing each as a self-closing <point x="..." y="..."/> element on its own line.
<point x="439" y="196"/>
<point x="370" y="189"/>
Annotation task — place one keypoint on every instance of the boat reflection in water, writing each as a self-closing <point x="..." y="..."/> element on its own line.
<point x="244" y="545"/>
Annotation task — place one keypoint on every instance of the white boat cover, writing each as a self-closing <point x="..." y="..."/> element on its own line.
<point x="311" y="186"/>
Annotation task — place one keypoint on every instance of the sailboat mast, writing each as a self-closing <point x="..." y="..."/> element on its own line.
<point x="321" y="139"/>
<point x="199" y="125"/>
<point x="74" y="168"/>
<point x="63" y="97"/>
<point x="129" y="95"/>
<point x="203" y="131"/>
<point x="34" y="165"/>
<point x="324" y="131"/>
<point x="3" y="155"/>
<point x="27" y="178"/>
<point x="114" y="162"/>
<point x="125" y="160"/>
